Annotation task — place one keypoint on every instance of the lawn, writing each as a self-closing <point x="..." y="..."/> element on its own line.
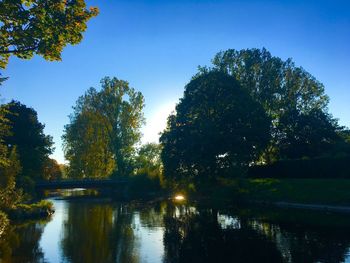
<point x="313" y="191"/>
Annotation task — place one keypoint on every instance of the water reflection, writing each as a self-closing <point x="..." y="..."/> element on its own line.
<point x="93" y="230"/>
<point x="198" y="236"/>
<point x="98" y="232"/>
<point x="20" y="243"/>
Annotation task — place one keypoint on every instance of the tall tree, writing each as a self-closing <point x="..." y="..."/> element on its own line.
<point x="27" y="134"/>
<point x="279" y="86"/>
<point x="42" y="27"/>
<point x="217" y="128"/>
<point x="104" y="129"/>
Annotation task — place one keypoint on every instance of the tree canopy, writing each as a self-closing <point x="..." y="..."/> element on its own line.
<point x="104" y="129"/>
<point x="217" y="128"/>
<point x="284" y="90"/>
<point x="27" y="135"/>
<point x="42" y="27"/>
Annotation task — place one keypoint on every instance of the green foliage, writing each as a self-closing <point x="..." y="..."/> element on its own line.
<point x="309" y="134"/>
<point x="286" y="92"/>
<point x="218" y="129"/>
<point x="9" y="194"/>
<point x="87" y="145"/>
<point x="40" y="209"/>
<point x="27" y="134"/>
<point x="42" y="27"/>
<point x="103" y="131"/>
<point x="148" y="160"/>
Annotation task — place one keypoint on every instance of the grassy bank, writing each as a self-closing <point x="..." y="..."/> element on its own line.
<point x="40" y="209"/>
<point x="305" y="191"/>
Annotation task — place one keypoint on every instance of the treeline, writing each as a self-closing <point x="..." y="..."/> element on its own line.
<point x="24" y="154"/>
<point x="249" y="114"/>
<point x="248" y="109"/>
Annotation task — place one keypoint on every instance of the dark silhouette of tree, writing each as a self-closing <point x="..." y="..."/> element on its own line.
<point x="42" y="27"/>
<point x="217" y="129"/>
<point x="308" y="134"/>
<point x="284" y="90"/>
<point x="27" y="135"/>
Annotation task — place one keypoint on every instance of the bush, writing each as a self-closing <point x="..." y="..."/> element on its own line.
<point x="43" y="208"/>
<point x="309" y="168"/>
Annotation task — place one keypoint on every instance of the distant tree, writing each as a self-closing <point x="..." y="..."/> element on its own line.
<point x="148" y="160"/>
<point x="27" y="135"/>
<point x="103" y="131"/>
<point x="217" y="129"/>
<point x="52" y="170"/>
<point x="42" y="27"/>
<point x="279" y="86"/>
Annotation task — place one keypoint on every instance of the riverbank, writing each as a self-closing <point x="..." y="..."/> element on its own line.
<point x="41" y="209"/>
<point x="316" y="194"/>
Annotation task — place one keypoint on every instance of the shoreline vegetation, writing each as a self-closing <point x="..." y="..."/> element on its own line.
<point x="257" y="134"/>
<point x="37" y="210"/>
<point x="330" y="195"/>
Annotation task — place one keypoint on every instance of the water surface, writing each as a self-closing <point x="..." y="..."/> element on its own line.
<point x="100" y="230"/>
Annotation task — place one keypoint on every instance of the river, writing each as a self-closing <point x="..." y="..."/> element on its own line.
<point x="96" y="230"/>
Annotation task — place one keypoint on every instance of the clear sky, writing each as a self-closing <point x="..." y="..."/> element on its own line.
<point x="157" y="46"/>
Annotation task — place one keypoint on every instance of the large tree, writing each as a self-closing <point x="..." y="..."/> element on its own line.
<point x="42" y="27"/>
<point x="217" y="129"/>
<point x="104" y="129"/>
<point x="282" y="88"/>
<point x="27" y="135"/>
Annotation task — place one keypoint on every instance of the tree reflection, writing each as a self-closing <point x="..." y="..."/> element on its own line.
<point x="20" y="243"/>
<point x="300" y="243"/>
<point x="98" y="233"/>
<point x="197" y="236"/>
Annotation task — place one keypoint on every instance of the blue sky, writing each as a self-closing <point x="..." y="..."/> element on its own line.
<point x="157" y="46"/>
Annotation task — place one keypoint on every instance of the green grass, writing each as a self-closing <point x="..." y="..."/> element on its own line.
<point x="308" y="191"/>
<point x="41" y="209"/>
